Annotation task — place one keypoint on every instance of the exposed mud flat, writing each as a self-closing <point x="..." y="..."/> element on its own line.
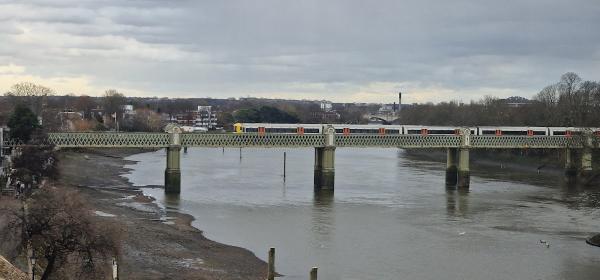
<point x="159" y="243"/>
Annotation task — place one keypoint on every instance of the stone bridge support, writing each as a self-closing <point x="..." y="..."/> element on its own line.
<point x="586" y="162"/>
<point x="324" y="178"/>
<point x="463" y="173"/>
<point x="451" y="167"/>
<point x="570" y="168"/>
<point x="586" y="156"/>
<point x="173" y="170"/>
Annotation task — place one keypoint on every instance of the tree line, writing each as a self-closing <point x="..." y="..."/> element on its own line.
<point x="569" y="102"/>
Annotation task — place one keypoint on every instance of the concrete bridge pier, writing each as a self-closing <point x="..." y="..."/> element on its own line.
<point x="463" y="174"/>
<point x="324" y="168"/>
<point x="586" y="162"/>
<point x="570" y="168"/>
<point x="173" y="171"/>
<point x="451" y="169"/>
<point x="325" y="162"/>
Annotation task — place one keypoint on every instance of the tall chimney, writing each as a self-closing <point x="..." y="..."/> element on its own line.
<point x="399" y="101"/>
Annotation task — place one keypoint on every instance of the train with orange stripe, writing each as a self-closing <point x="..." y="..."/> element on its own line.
<point x="361" y="129"/>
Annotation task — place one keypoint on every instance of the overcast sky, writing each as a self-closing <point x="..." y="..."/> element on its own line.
<point x="341" y="50"/>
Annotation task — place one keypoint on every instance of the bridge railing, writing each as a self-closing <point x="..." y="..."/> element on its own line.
<point x="401" y="141"/>
<point x="252" y="140"/>
<point x="109" y="139"/>
<point x="533" y="142"/>
<point x="159" y="140"/>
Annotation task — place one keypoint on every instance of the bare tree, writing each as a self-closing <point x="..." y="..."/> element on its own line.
<point x="31" y="94"/>
<point x="65" y="236"/>
<point x="113" y="103"/>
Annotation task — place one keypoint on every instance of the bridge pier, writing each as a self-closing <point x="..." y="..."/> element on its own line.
<point x="325" y="162"/>
<point x="324" y="168"/>
<point x="586" y="162"/>
<point x="451" y="169"/>
<point x="463" y="174"/>
<point x="173" y="171"/>
<point x="570" y="168"/>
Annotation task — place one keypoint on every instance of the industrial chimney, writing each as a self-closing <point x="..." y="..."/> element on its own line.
<point x="399" y="101"/>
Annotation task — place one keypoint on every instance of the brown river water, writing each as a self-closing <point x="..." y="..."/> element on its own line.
<point x="391" y="216"/>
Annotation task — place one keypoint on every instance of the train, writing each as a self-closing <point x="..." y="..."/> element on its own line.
<point x="360" y="129"/>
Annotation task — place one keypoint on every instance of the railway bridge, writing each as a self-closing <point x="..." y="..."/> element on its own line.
<point x="325" y="144"/>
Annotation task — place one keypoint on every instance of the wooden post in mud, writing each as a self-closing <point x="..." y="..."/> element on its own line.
<point x="115" y="269"/>
<point x="284" y="159"/>
<point x="271" y="269"/>
<point x="313" y="273"/>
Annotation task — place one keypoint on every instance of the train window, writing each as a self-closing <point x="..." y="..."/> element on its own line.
<point x="364" y="131"/>
<point x="558" y="132"/>
<point x="251" y="129"/>
<point x="313" y="130"/>
<point x="392" y="131"/>
<point x="280" y="130"/>
<point x="539" y="132"/>
<point x="517" y="132"/>
<point x="488" y="132"/>
<point x="339" y="130"/>
<point x="413" y="131"/>
<point x="440" y="131"/>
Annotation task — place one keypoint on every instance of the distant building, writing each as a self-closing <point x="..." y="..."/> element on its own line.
<point x="67" y="118"/>
<point x="516" y="101"/>
<point x="326" y="106"/>
<point x="127" y="109"/>
<point x="97" y="113"/>
<point x="206" y="117"/>
<point x="324" y="117"/>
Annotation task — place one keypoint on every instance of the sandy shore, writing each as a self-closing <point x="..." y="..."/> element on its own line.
<point x="158" y="243"/>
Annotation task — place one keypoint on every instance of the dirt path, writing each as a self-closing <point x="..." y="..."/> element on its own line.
<point x="159" y="243"/>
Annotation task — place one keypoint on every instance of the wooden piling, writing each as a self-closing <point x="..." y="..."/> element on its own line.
<point x="284" y="160"/>
<point x="271" y="269"/>
<point x="313" y="273"/>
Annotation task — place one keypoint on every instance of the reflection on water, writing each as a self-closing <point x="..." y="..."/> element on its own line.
<point x="323" y="216"/>
<point x="457" y="202"/>
<point x="391" y="217"/>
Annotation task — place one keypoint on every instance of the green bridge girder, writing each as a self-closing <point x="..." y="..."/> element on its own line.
<point x="161" y="140"/>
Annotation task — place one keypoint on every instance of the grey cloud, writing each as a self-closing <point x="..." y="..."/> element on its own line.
<point x="233" y="46"/>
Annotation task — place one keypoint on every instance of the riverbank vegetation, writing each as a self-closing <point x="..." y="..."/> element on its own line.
<point x="44" y="221"/>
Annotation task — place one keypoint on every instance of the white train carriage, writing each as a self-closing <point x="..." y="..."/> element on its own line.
<point x="288" y="128"/>
<point x="569" y="131"/>
<point x="512" y="130"/>
<point x="436" y="130"/>
<point x="346" y="129"/>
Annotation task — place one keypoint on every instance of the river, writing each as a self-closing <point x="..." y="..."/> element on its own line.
<point x="391" y="216"/>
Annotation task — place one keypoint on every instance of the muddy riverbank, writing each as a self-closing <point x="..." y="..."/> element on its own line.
<point x="159" y="243"/>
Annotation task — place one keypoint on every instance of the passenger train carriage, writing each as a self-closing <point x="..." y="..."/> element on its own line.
<point x="347" y="129"/>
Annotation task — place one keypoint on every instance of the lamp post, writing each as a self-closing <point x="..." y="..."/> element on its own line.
<point x="32" y="260"/>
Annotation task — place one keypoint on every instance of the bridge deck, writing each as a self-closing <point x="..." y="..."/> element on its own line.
<point x="159" y="140"/>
